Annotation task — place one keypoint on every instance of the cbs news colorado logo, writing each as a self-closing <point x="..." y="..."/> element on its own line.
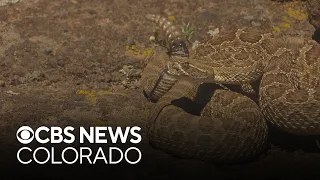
<point x="25" y="135"/>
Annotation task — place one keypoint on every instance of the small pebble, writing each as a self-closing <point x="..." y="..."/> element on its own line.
<point x="253" y="23"/>
<point x="248" y="18"/>
<point x="213" y="32"/>
<point x="2" y="83"/>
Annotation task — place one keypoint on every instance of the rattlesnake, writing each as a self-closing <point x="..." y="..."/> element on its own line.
<point x="230" y="127"/>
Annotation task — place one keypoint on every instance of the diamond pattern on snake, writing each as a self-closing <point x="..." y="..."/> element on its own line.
<point x="230" y="127"/>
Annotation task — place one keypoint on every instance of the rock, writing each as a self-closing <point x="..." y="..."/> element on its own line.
<point x="5" y="2"/>
<point x="2" y="83"/>
<point x="137" y="84"/>
<point x="249" y="18"/>
<point x="54" y="78"/>
<point x="256" y="24"/>
<point x="313" y="8"/>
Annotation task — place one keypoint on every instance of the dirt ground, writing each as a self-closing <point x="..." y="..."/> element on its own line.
<point x="63" y="62"/>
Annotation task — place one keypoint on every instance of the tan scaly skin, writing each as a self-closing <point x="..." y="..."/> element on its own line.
<point x="231" y="127"/>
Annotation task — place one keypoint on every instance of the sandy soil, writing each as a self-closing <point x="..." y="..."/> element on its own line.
<point x="61" y="62"/>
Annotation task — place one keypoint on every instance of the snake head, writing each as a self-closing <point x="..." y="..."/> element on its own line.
<point x="179" y="56"/>
<point x="177" y="68"/>
<point x="183" y="69"/>
<point x="179" y="63"/>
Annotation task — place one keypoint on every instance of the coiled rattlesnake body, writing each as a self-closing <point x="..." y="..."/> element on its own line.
<point x="231" y="127"/>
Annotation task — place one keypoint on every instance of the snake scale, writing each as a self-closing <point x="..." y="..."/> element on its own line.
<point x="230" y="127"/>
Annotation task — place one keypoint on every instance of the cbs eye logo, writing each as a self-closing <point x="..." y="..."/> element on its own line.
<point x="25" y="134"/>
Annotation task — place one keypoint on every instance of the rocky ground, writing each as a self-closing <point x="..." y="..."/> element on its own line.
<point x="77" y="62"/>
